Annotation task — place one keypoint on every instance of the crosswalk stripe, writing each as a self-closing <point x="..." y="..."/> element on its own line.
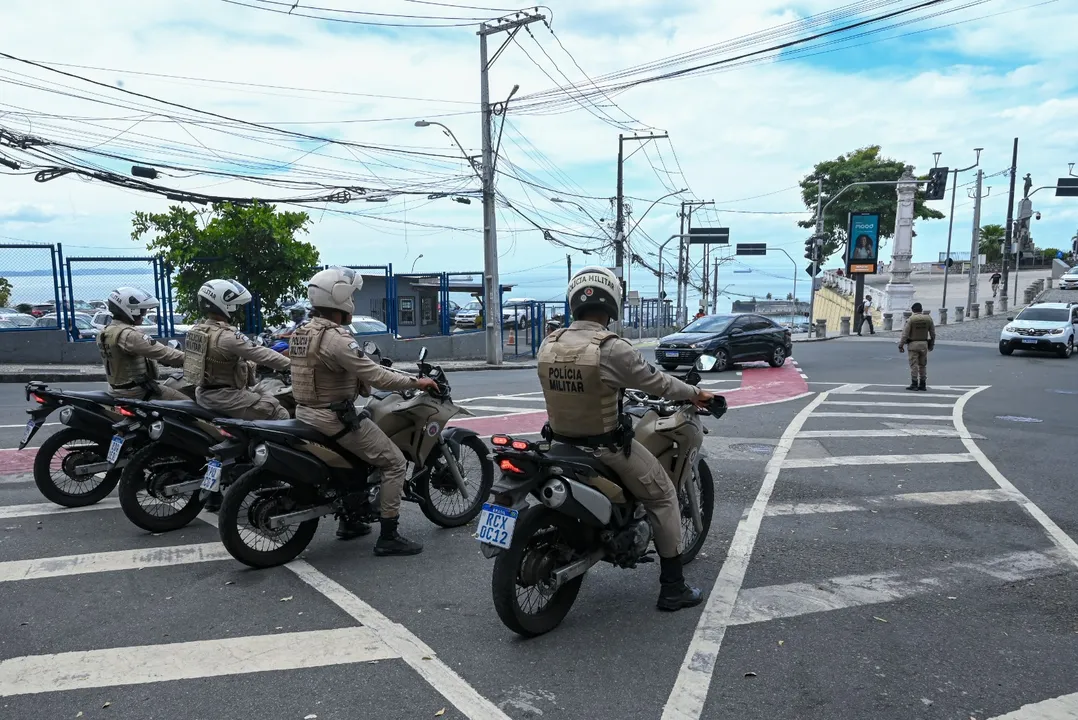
<point x="901" y="394"/>
<point x="855" y="403"/>
<point x="13" y="570"/>
<point x="888" y="502"/>
<point x="886" y="416"/>
<point x="912" y="459"/>
<point x="876" y="433"/>
<point x="1064" y="707"/>
<point x="761" y="604"/>
<point x="183" y="661"/>
<point x="33" y="509"/>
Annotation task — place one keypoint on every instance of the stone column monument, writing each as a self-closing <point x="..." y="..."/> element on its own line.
<point x="899" y="289"/>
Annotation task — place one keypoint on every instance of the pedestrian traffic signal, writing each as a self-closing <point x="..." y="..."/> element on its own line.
<point x="937" y="183"/>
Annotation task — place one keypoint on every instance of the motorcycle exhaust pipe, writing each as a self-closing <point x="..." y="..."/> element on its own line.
<point x="576" y="500"/>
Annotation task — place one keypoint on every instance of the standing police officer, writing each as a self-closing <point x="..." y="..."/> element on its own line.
<point x="217" y="354"/>
<point x="329" y="370"/>
<point x="920" y="335"/>
<point x="585" y="413"/>
<point x="131" y="356"/>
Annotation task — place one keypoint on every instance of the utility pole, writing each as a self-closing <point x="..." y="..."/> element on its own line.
<point x="687" y="209"/>
<point x="492" y="289"/>
<point x="680" y="264"/>
<point x="975" y="244"/>
<point x="950" y="223"/>
<point x="715" y="289"/>
<point x="815" y="259"/>
<point x="1010" y="221"/>
<point x="619" y="226"/>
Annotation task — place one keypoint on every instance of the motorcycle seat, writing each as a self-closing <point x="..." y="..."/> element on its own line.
<point x="94" y="396"/>
<point x="188" y="407"/>
<point x="298" y="428"/>
<point x="573" y="454"/>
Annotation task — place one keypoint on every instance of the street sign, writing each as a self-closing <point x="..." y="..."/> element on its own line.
<point x="751" y="249"/>
<point x="634" y="298"/>
<point x="864" y="243"/>
<point x="812" y="268"/>
<point x="662" y="294"/>
<point x="1067" y="187"/>
<point x="709" y="236"/>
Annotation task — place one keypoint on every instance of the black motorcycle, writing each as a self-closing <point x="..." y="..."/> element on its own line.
<point x="269" y="515"/>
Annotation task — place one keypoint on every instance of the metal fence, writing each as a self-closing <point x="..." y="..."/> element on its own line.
<point x="30" y="287"/>
<point x="91" y="279"/>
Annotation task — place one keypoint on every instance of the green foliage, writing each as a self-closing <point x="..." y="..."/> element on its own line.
<point x="254" y="244"/>
<point x="862" y="165"/>
<point x="24" y="308"/>
<point x="991" y="242"/>
<point x="1045" y="252"/>
<point x="5" y="291"/>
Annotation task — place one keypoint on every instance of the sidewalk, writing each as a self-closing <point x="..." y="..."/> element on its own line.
<point x="95" y="373"/>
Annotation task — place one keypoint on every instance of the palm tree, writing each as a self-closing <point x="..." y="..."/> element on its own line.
<point x="991" y="244"/>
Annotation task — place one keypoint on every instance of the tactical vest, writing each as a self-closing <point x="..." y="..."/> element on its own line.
<point x="919" y="328"/>
<point x="578" y="403"/>
<point x="314" y="384"/>
<point x="205" y="365"/>
<point x="122" y="369"/>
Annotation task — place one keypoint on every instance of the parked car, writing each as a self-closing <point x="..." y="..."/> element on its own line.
<point x="470" y="316"/>
<point x="16" y="318"/>
<point x="42" y="309"/>
<point x="1069" y="279"/>
<point x="1044" y="327"/>
<point x="729" y="338"/>
<point x="516" y="312"/>
<point x="454" y="308"/>
<point x="83" y="322"/>
<point x="6" y="324"/>
<point x="365" y="324"/>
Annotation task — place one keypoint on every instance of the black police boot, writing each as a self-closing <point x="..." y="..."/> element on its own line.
<point x="351" y="529"/>
<point x="213" y="503"/>
<point x="391" y="542"/>
<point x="921" y="383"/>
<point x="913" y="384"/>
<point x="674" y="592"/>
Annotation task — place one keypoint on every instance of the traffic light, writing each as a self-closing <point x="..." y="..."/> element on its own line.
<point x="937" y="183"/>
<point x="812" y="248"/>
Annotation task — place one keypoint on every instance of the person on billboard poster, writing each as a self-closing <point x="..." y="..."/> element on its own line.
<point x="862" y="248"/>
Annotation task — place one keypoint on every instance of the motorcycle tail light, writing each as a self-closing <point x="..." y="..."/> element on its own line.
<point x="38" y="399"/>
<point x="125" y="412"/>
<point x="507" y="466"/>
<point x="500" y="440"/>
<point x="521" y="445"/>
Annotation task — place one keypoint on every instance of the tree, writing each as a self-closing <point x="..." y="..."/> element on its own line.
<point x="768" y="296"/>
<point x="5" y="291"/>
<point x="991" y="242"/>
<point x="254" y="244"/>
<point x="789" y="296"/>
<point x="862" y="165"/>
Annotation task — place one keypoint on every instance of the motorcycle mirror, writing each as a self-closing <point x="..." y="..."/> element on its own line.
<point x="692" y="377"/>
<point x="705" y="363"/>
<point x="174" y="344"/>
<point x="386" y="362"/>
<point x="371" y="348"/>
<point x="260" y="341"/>
<point x="423" y="353"/>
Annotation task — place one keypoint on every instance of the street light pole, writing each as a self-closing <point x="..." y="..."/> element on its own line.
<point x="584" y="210"/>
<point x="662" y="276"/>
<point x="950" y="222"/>
<point x="417" y="259"/>
<point x="619" y="225"/>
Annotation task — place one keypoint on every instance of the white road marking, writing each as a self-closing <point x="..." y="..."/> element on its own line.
<point x="406" y="645"/>
<point x="16" y="479"/>
<point x="1064" y="707"/>
<point x="907" y="394"/>
<point x="32" y="509"/>
<point x="911" y="459"/>
<point x="761" y="604"/>
<point x="1065" y="542"/>
<point x="686" y="701"/>
<point x="889" y="502"/>
<point x="500" y="409"/>
<point x="183" y="661"/>
<point x="521" y="397"/>
<point x="13" y="570"/>
<point x="856" y="403"/>
<point x="867" y="433"/>
<point x="23" y="425"/>
<point x="888" y="416"/>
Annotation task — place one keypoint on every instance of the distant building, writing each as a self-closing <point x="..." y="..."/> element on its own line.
<point x="771" y="307"/>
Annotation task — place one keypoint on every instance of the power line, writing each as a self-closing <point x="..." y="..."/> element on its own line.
<point x="292" y="13"/>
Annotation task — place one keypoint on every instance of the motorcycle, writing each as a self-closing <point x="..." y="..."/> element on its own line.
<point x="270" y="513"/>
<point x="583" y="515"/>
<point x="81" y="464"/>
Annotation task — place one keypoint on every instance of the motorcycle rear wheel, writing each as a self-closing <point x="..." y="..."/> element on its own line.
<point x="78" y="446"/>
<point x="243" y="504"/>
<point x="535" y="530"/>
<point x="136" y="487"/>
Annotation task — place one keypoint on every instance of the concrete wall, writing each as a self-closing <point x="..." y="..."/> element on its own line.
<point x="832" y="305"/>
<point x="45" y="346"/>
<point x="458" y="346"/>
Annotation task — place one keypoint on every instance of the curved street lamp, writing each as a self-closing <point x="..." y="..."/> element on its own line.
<point x="582" y="209"/>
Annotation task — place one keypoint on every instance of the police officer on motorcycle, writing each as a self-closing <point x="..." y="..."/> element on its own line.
<point x="329" y="370"/>
<point x="131" y="356"/>
<point x="583" y="370"/>
<point x="220" y="360"/>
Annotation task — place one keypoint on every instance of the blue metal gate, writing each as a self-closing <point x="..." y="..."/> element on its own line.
<point x="91" y="279"/>
<point x="31" y="277"/>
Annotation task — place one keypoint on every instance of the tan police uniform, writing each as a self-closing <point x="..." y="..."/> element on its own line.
<point x="327" y="367"/>
<point x="582" y="370"/>
<point x="919" y="336"/>
<point x="216" y="361"/>
<point x="131" y="359"/>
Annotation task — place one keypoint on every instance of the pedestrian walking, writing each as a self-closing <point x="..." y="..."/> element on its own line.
<point x="996" y="277"/>
<point x="919" y="334"/>
<point x="866" y="316"/>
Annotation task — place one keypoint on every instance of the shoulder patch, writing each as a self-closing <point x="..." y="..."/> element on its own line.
<point x="355" y="346"/>
<point x="242" y="338"/>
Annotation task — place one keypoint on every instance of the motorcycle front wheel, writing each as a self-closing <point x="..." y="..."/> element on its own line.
<point x="442" y="502"/>
<point x="248" y="503"/>
<point x="144" y="479"/>
<point x="523" y="584"/>
<point x="57" y="462"/>
<point x="703" y="488"/>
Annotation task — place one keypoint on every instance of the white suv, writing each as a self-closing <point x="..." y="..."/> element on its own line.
<point x="1069" y="279"/>
<point x="1047" y="327"/>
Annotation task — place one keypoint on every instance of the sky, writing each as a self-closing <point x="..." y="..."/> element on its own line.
<point x="963" y="74"/>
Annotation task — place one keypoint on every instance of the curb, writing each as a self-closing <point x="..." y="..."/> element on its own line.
<point x="816" y="339"/>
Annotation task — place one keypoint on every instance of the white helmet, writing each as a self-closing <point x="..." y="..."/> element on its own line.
<point x="129" y="303"/>
<point x="594" y="288"/>
<point x="334" y="288"/>
<point x="222" y="297"/>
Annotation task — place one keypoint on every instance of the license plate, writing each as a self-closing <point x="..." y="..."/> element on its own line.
<point x="496" y="525"/>
<point x="1030" y="340"/>
<point x="31" y="426"/>
<point x="114" y="448"/>
<point x="211" y="481"/>
<point x="672" y="354"/>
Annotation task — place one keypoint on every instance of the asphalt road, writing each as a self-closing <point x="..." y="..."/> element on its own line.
<point x="878" y="567"/>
